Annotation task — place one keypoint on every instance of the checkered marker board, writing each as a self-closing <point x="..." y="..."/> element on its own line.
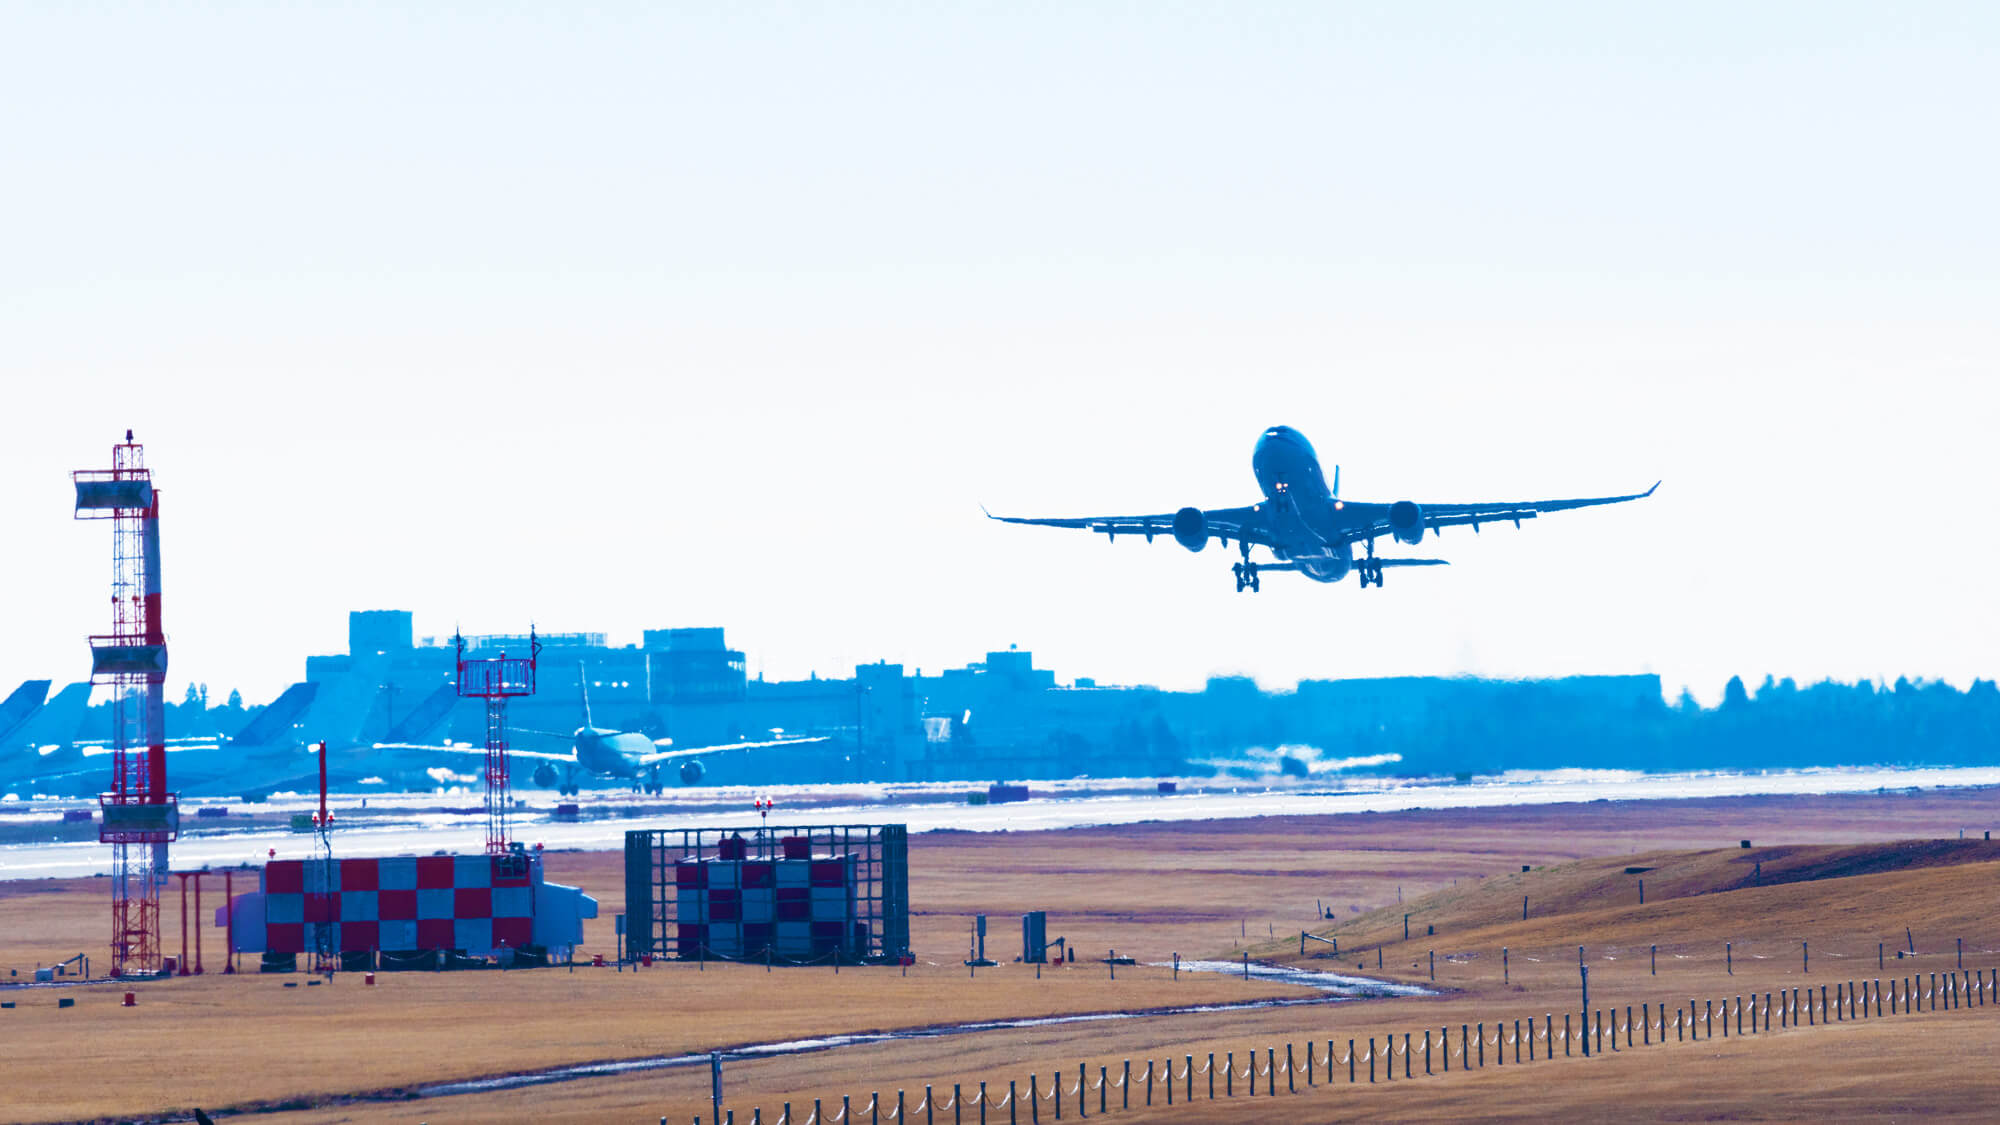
<point x="474" y="903"/>
<point x="795" y="908"/>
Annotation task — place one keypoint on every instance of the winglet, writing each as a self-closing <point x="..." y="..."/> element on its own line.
<point x="1655" y="488"/>
<point x="987" y="514"/>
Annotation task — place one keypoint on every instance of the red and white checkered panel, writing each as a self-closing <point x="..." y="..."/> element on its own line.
<point x="796" y="907"/>
<point x="401" y="905"/>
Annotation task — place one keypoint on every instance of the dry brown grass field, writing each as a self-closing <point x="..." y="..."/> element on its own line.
<point x="1843" y="873"/>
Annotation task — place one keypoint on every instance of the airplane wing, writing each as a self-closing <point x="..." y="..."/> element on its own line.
<point x="669" y="755"/>
<point x="480" y="751"/>
<point x="564" y="735"/>
<point x="1368" y="521"/>
<point x="94" y="772"/>
<point x="1226" y="524"/>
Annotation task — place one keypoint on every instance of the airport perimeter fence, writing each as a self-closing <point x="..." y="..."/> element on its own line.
<point x="1306" y="1068"/>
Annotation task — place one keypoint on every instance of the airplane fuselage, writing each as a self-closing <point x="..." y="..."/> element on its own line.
<point x="1302" y="512"/>
<point x="611" y="753"/>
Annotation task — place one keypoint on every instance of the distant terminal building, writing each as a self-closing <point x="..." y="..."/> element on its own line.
<point x="375" y="632"/>
<point x="694" y="666"/>
<point x="1000" y="717"/>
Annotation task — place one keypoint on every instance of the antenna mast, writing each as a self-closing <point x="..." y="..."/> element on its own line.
<point x="497" y="680"/>
<point x="139" y="817"/>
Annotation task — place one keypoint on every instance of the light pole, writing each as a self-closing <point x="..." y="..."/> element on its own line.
<point x="1584" y="971"/>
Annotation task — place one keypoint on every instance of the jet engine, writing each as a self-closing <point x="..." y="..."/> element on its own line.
<point x="1406" y="522"/>
<point x="1191" y="529"/>
<point x="692" y="772"/>
<point x="545" y="776"/>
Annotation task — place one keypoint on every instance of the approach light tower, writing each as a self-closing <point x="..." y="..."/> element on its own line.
<point x="139" y="817"/>
<point x="496" y="681"/>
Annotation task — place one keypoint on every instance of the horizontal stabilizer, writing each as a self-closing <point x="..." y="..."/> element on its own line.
<point x="1412" y="562"/>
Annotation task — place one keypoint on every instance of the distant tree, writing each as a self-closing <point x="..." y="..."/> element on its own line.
<point x="236" y="699"/>
<point x="192" y="698"/>
<point x="204" y="696"/>
<point x="1687" y="704"/>
<point x="1733" y="693"/>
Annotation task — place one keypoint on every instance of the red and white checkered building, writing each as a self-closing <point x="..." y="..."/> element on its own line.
<point x="474" y="904"/>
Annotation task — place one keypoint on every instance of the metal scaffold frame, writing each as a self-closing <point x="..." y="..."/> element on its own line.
<point x="496" y="681"/>
<point x="881" y="855"/>
<point x="139" y="816"/>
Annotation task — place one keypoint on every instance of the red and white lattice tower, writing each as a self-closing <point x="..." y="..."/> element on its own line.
<point x="496" y="681"/>
<point x="139" y="817"/>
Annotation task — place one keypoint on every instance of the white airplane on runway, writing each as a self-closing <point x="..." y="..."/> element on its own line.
<point x="612" y="753"/>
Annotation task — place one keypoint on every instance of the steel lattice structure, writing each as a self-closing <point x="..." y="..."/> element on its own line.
<point x="496" y="681"/>
<point x="876" y="858"/>
<point x="139" y="816"/>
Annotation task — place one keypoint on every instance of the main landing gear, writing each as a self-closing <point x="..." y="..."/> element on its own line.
<point x="1368" y="571"/>
<point x="1245" y="571"/>
<point x="1246" y="576"/>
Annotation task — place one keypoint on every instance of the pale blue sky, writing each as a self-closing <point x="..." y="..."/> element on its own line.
<point x="651" y="315"/>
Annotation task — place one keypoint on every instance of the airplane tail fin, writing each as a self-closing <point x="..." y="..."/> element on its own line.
<point x="583" y="686"/>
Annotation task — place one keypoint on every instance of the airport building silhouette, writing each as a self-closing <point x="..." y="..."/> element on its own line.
<point x="998" y="718"/>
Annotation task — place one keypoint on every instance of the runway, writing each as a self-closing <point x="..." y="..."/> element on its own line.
<point x="420" y="824"/>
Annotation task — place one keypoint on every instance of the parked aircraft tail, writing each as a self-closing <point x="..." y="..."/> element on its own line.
<point x="56" y="724"/>
<point x="21" y="706"/>
<point x="419" y="723"/>
<point x="275" y="721"/>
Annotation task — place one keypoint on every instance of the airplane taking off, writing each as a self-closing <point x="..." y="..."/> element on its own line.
<point x="1307" y="525"/>
<point x="610" y="753"/>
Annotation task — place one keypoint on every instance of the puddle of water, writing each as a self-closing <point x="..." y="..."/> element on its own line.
<point x="1335" y="988"/>
<point x="1337" y="985"/>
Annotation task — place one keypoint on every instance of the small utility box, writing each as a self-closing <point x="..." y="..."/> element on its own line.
<point x="1035" y="937"/>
